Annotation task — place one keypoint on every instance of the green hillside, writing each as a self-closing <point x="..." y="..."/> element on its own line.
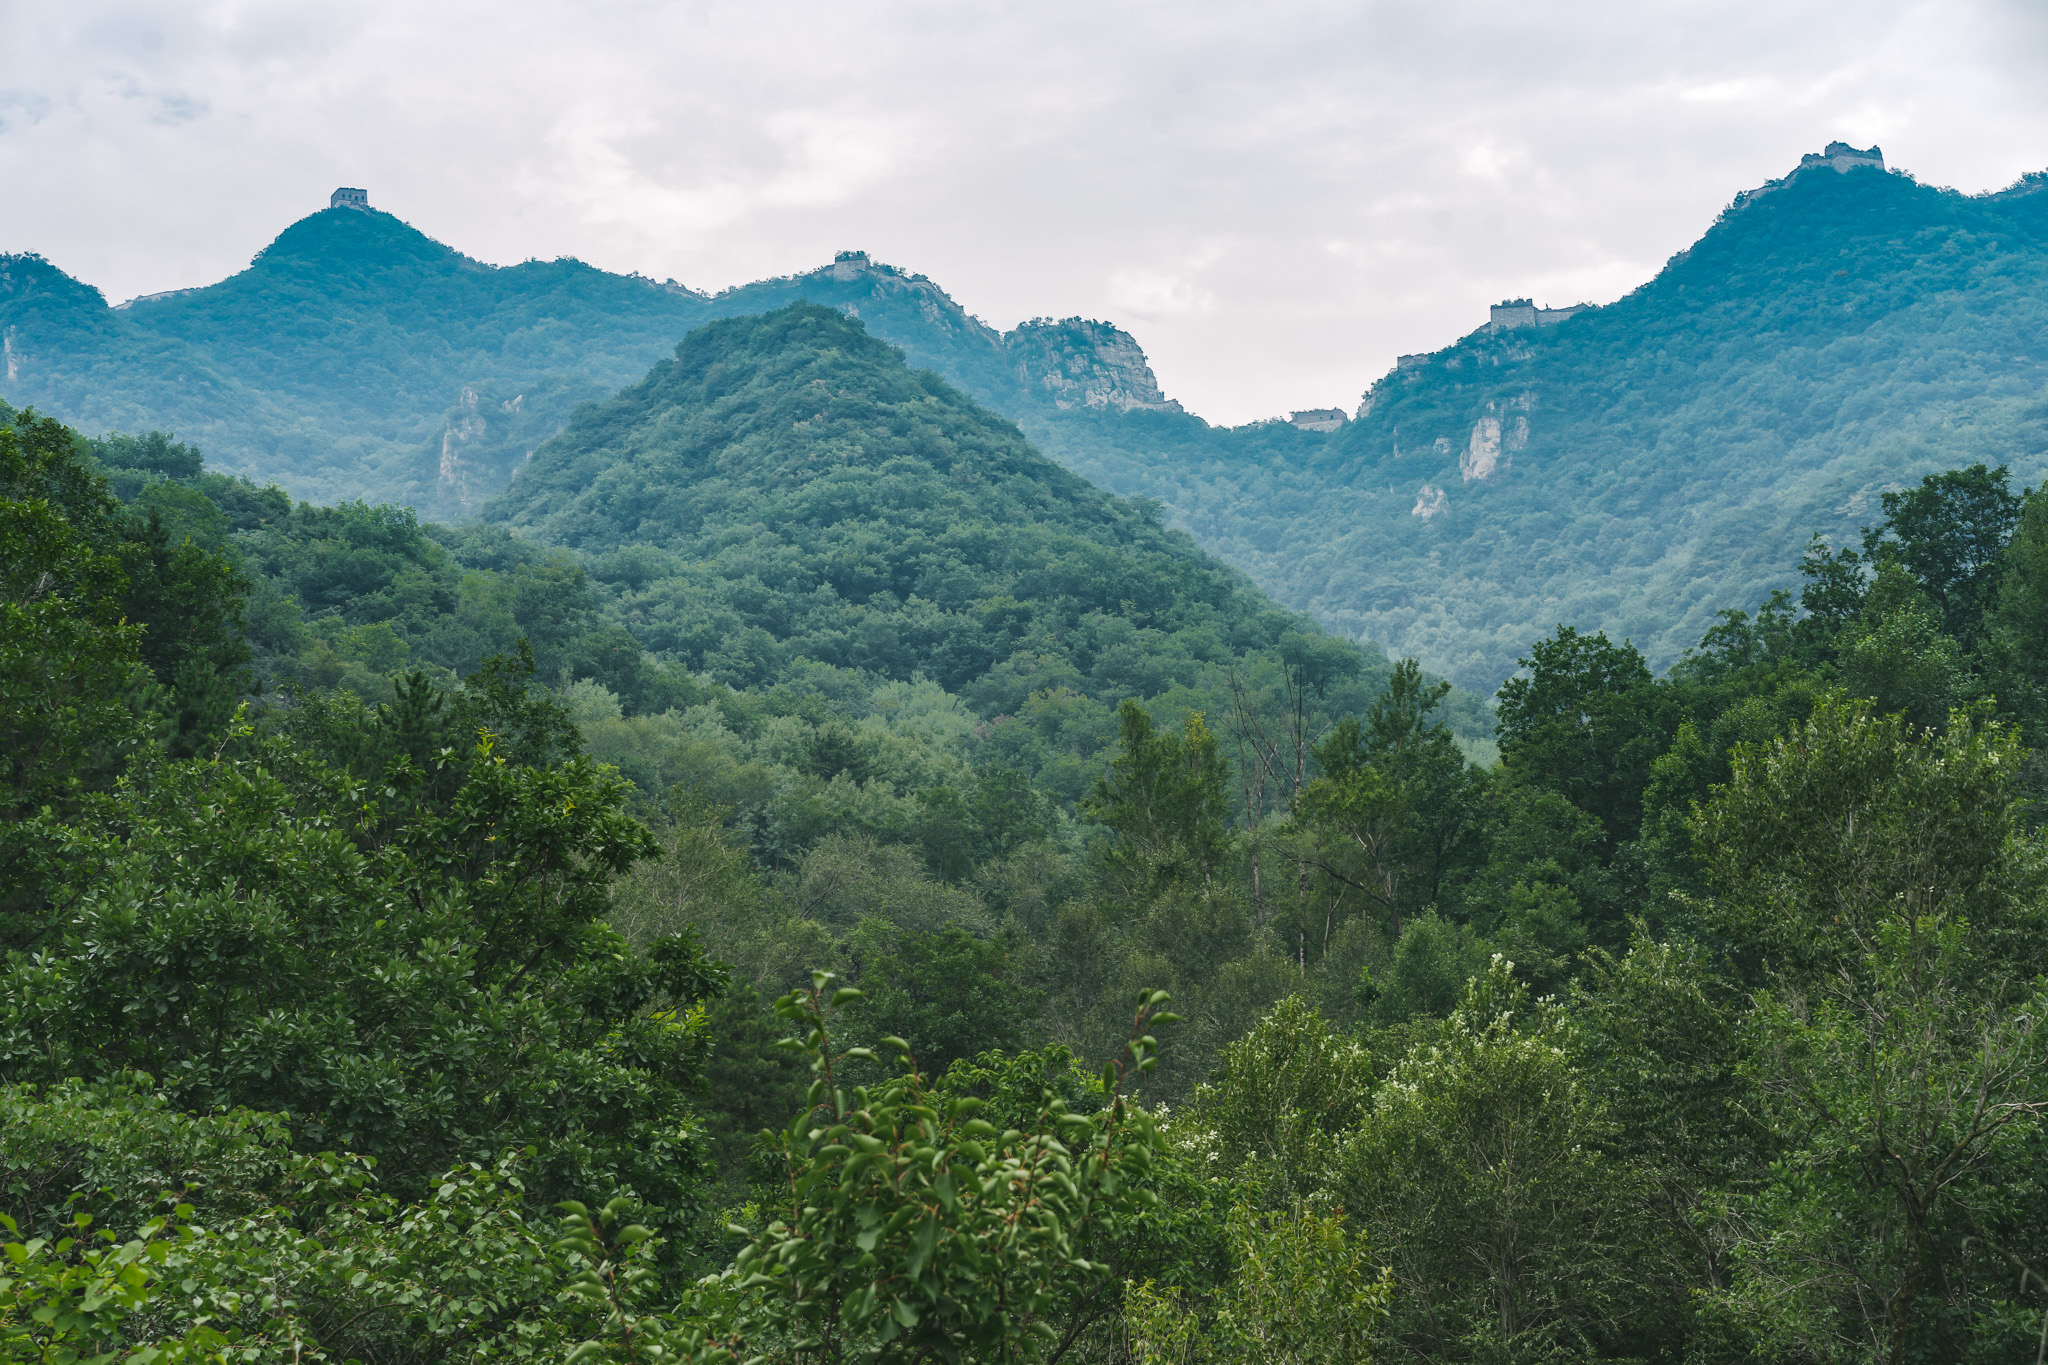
<point x="788" y="490"/>
<point x="892" y="571"/>
<point x="1637" y="467"/>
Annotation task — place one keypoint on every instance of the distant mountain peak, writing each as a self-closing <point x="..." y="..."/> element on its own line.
<point x="1842" y="158"/>
<point x="31" y="273"/>
<point x="1081" y="363"/>
<point x="1838" y="157"/>
<point x="350" y="234"/>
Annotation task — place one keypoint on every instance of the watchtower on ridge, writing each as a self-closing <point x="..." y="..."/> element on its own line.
<point x="1842" y="158"/>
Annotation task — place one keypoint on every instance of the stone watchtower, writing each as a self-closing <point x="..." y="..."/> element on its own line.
<point x="1524" y="313"/>
<point x="1511" y="313"/>
<point x="1841" y="157"/>
<point x="349" y="199"/>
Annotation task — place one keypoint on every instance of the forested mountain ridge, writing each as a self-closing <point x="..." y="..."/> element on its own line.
<point x="357" y="357"/>
<point x="787" y="510"/>
<point x="1638" y="467"/>
<point x="1631" y="469"/>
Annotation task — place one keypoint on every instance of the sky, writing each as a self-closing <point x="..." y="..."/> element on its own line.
<point x="1275" y="199"/>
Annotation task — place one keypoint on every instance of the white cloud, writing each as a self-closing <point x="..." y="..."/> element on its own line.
<point x="1150" y="295"/>
<point x="1380" y="171"/>
<point x="1724" y="92"/>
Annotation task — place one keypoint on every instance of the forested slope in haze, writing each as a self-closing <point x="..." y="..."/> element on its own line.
<point x="355" y="356"/>
<point x="1637" y="467"/>
<point x="358" y="358"/>
<point x="788" y="487"/>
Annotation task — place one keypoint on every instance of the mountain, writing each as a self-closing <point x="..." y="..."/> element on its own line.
<point x="1632" y="468"/>
<point x="1641" y="466"/>
<point x="355" y="357"/>
<point x="786" y="492"/>
<point x="358" y="358"/>
<point x="818" y="587"/>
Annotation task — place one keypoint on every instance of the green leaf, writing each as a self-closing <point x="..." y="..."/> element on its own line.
<point x="922" y="1243"/>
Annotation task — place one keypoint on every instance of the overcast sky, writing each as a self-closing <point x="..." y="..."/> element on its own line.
<point x="1276" y="198"/>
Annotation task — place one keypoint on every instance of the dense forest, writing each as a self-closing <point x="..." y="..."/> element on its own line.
<point x="807" y="878"/>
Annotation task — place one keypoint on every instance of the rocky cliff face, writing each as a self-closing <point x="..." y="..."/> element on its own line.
<point x="1066" y="365"/>
<point x="487" y="434"/>
<point x="1075" y="363"/>
<point x="906" y="310"/>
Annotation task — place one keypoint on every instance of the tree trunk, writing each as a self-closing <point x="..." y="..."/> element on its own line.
<point x="1900" y="1309"/>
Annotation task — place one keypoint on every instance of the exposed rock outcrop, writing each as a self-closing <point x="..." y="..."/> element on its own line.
<point x="1482" y="453"/>
<point x="485" y="436"/>
<point x="1069" y="364"/>
<point x="1077" y="363"/>
<point x="933" y="305"/>
<point x="465" y="425"/>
